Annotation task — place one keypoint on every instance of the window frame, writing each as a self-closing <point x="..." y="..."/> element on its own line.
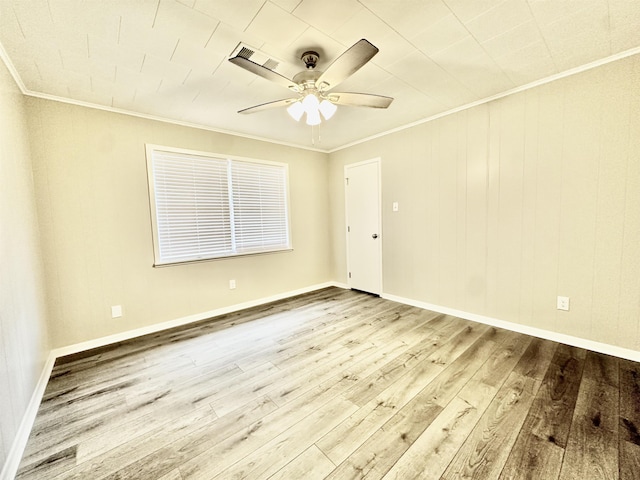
<point x="158" y="262"/>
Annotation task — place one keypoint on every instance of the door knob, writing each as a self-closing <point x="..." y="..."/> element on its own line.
<point x="374" y="236"/>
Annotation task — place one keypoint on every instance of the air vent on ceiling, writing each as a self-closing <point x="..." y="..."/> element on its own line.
<point x="267" y="61"/>
<point x="271" y="64"/>
<point x="245" y="53"/>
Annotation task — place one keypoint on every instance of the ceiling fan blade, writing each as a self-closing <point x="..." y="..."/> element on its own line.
<point x="269" y="105"/>
<point x="360" y="100"/>
<point x="263" y="72"/>
<point x="347" y="64"/>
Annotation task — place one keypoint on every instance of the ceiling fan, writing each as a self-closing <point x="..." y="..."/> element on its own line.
<point x="314" y="88"/>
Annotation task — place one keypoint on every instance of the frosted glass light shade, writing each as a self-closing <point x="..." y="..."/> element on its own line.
<point x="310" y="103"/>
<point x="296" y="110"/>
<point x="313" y="117"/>
<point x="327" y="109"/>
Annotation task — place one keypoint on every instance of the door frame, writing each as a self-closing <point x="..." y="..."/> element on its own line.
<point x="378" y="162"/>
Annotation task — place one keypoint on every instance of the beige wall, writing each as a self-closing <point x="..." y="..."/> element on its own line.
<point x="23" y="331"/>
<point x="507" y="205"/>
<point x="502" y="207"/>
<point x="90" y="173"/>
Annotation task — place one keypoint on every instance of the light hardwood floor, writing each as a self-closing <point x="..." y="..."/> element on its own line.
<point x="337" y="384"/>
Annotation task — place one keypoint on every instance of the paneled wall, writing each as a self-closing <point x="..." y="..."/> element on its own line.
<point x="23" y="331"/>
<point x="91" y="179"/>
<point x="509" y="204"/>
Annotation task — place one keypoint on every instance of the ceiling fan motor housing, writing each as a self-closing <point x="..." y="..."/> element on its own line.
<point x="310" y="59"/>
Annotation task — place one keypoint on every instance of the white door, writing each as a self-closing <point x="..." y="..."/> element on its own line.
<point x="364" y="239"/>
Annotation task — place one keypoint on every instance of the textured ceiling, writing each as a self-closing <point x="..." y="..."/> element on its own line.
<point x="168" y="59"/>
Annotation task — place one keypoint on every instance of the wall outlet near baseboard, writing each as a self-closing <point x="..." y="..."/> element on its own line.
<point x="232" y="284"/>
<point x="116" y="311"/>
<point x="563" y="303"/>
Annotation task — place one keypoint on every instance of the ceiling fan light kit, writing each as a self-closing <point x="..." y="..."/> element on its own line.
<point x="315" y="98"/>
<point x="313" y="107"/>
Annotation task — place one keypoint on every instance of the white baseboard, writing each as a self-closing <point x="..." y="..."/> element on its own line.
<point x="599" y="347"/>
<point x="17" y="448"/>
<point x="20" y="441"/>
<point x="158" y="327"/>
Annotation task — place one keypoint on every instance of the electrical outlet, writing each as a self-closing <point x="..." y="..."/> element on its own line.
<point x="395" y="206"/>
<point x="116" y="311"/>
<point x="232" y="284"/>
<point x="563" y="303"/>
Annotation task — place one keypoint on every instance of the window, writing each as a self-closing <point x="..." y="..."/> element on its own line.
<point x="205" y="206"/>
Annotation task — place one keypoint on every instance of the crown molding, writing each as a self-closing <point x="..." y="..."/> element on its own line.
<point x="528" y="86"/>
<point x="567" y="73"/>
<point x="12" y="70"/>
<point x="46" y="96"/>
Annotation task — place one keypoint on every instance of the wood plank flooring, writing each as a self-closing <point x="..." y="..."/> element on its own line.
<point x="337" y="384"/>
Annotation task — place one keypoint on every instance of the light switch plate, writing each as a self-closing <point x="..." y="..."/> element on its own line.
<point x="116" y="311"/>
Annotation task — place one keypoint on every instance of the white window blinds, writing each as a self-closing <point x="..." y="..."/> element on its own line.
<point x="258" y="200"/>
<point x="208" y="207"/>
